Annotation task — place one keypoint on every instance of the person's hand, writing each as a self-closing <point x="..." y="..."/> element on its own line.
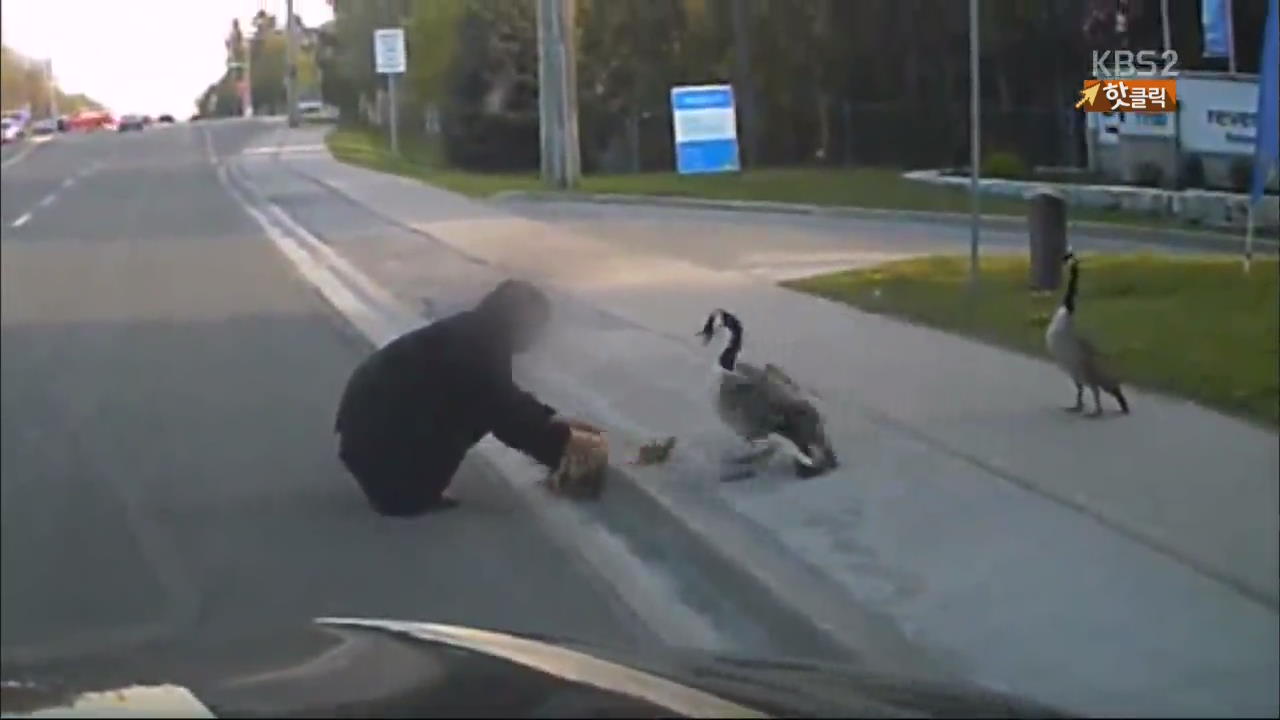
<point x="581" y="472"/>
<point x="581" y="425"/>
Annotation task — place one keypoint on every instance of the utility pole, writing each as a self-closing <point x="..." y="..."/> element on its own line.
<point x="246" y="74"/>
<point x="291" y="65"/>
<point x="53" y="90"/>
<point x="558" y="94"/>
<point x="975" y="141"/>
<point x="743" y="87"/>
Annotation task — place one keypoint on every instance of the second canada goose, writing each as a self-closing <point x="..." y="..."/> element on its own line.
<point x="765" y="407"/>
<point x="1075" y="354"/>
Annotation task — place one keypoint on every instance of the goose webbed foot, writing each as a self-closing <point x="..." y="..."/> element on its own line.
<point x="1097" y="403"/>
<point x="1079" y="406"/>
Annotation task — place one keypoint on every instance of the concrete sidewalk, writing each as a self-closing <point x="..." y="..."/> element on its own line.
<point x="1122" y="566"/>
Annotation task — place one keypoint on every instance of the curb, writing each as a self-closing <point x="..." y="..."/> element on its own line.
<point x="1165" y="237"/>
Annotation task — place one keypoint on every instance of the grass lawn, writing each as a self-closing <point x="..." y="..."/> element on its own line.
<point x="861" y="187"/>
<point x="1190" y="326"/>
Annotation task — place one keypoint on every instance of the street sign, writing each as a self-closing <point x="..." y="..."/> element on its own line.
<point x="388" y="50"/>
<point x="706" y="129"/>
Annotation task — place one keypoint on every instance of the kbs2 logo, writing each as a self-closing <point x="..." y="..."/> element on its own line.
<point x="1127" y="81"/>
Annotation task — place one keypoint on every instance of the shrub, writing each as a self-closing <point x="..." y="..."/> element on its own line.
<point x="1193" y="172"/>
<point x="1241" y="174"/>
<point x="491" y="142"/>
<point x="1148" y="174"/>
<point x="1005" y="165"/>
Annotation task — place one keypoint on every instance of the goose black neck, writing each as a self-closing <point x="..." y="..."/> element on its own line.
<point x="1073" y="279"/>
<point x="729" y="358"/>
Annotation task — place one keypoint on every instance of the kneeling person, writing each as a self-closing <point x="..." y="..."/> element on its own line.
<point x="412" y="410"/>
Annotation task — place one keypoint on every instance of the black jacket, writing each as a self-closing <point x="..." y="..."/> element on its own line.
<point x="427" y="397"/>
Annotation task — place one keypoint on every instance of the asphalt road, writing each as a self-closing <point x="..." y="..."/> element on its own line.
<point x="170" y="485"/>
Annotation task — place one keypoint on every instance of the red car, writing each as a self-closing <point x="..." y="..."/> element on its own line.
<point x="91" y="120"/>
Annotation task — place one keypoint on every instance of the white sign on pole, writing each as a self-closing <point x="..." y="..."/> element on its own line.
<point x="1219" y="115"/>
<point x="388" y="51"/>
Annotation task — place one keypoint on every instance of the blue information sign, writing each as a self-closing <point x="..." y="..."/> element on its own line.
<point x="706" y="129"/>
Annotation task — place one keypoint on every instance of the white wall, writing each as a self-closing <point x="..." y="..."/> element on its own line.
<point x="1219" y="114"/>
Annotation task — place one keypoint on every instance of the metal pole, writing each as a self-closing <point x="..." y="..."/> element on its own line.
<point x="1167" y="33"/>
<point x="291" y="65"/>
<point x="975" y="140"/>
<point x="1248" y="239"/>
<point x="1231" y="38"/>
<point x="1164" y="24"/>
<point x="395" y="131"/>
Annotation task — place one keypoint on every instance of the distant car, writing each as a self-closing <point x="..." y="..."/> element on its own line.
<point x="317" y="111"/>
<point x="166" y="118"/>
<point x="130" y="122"/>
<point x="15" y="128"/>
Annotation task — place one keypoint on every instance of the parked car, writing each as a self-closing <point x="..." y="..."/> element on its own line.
<point x="317" y="111"/>
<point x="10" y="131"/>
<point x="130" y="122"/>
<point x="42" y="128"/>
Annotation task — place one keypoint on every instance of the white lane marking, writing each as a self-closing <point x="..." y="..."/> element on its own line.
<point x="19" y="156"/>
<point x="49" y="199"/>
<point x="208" y="148"/>
<point x="276" y="149"/>
<point x="380" y="326"/>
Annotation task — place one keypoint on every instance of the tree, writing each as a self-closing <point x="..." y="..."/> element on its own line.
<point x="24" y="82"/>
<point x="267" y="72"/>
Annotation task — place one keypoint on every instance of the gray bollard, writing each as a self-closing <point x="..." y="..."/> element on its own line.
<point x="1047" y="226"/>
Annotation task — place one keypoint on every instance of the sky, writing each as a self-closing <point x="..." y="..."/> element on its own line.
<point x="137" y="56"/>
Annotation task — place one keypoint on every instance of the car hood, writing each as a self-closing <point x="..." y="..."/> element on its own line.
<point x="375" y="668"/>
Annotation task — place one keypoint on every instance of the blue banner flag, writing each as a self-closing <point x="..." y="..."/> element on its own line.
<point x="1266" y="156"/>
<point x="1213" y="17"/>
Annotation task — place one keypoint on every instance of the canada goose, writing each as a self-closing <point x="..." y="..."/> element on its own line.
<point x="765" y="407"/>
<point x="1075" y="354"/>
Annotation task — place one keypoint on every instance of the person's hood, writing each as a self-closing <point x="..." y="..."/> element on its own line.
<point x="504" y="311"/>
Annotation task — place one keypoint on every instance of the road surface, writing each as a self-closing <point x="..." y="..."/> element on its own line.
<point x="170" y="486"/>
